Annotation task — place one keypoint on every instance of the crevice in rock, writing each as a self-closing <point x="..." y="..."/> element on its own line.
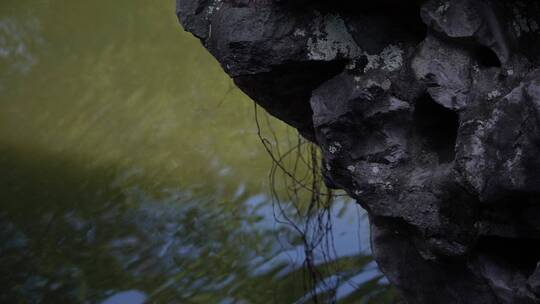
<point x="386" y="7"/>
<point x="516" y="253"/>
<point x="516" y="210"/>
<point x="375" y="25"/>
<point x="486" y="57"/>
<point x="406" y="169"/>
<point x="296" y="81"/>
<point x="437" y="126"/>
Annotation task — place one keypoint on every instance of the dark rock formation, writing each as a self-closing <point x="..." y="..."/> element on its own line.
<point x="427" y="113"/>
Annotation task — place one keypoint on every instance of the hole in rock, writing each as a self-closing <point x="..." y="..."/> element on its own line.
<point x="286" y="90"/>
<point x="486" y="57"/>
<point x="437" y="126"/>
<point x="522" y="254"/>
<point x="376" y="24"/>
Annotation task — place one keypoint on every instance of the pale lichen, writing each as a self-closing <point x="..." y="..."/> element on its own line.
<point x="358" y="192"/>
<point x="299" y="33"/>
<point x="390" y="59"/>
<point x="334" y="148"/>
<point x="521" y="24"/>
<point x="443" y="8"/>
<point x="331" y="39"/>
<point x="493" y="94"/>
<point x="214" y="7"/>
<point x="372" y="62"/>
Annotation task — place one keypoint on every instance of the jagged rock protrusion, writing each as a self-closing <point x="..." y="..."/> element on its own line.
<point x="426" y="112"/>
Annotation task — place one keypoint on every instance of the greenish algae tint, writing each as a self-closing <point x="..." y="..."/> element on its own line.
<point x="131" y="170"/>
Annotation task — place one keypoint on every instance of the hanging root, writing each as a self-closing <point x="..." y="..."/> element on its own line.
<point x="302" y="201"/>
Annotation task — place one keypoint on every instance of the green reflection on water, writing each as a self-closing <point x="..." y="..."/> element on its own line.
<point x="129" y="161"/>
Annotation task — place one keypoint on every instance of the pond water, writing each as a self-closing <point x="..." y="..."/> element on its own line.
<point x="131" y="170"/>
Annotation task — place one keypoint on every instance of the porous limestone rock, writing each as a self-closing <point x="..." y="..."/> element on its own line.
<point x="426" y="112"/>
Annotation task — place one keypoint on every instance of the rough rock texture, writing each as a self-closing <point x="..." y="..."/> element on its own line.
<point x="427" y="113"/>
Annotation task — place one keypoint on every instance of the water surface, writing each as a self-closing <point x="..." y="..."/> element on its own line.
<point x="131" y="170"/>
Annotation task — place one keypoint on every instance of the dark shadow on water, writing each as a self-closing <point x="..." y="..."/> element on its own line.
<point x="72" y="232"/>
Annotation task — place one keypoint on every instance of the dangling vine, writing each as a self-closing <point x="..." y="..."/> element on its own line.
<point x="299" y="169"/>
